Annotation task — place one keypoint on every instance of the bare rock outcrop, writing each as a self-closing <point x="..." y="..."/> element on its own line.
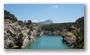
<point x="16" y="36"/>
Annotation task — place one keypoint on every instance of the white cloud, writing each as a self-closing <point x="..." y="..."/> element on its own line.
<point x="35" y="21"/>
<point x="55" y="6"/>
<point x="41" y="20"/>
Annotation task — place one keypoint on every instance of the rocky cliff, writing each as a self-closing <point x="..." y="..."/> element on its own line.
<point x="69" y="38"/>
<point x="17" y="36"/>
<point x="74" y="36"/>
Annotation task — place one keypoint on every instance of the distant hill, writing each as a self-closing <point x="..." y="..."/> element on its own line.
<point x="46" y="22"/>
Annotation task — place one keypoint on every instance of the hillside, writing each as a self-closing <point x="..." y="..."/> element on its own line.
<point x="18" y="34"/>
<point x="79" y="33"/>
<point x="73" y="33"/>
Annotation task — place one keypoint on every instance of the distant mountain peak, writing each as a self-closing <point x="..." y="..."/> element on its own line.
<point x="46" y="22"/>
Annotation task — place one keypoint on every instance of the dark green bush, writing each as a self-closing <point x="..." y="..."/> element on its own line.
<point x="8" y="15"/>
<point x="20" y="40"/>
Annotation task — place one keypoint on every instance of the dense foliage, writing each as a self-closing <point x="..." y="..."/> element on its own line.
<point x="8" y="15"/>
<point x="20" y="40"/>
<point x="79" y="34"/>
<point x="56" y="26"/>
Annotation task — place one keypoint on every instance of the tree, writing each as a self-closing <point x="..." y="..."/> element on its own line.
<point x="29" y="22"/>
<point x="20" y="40"/>
<point x="8" y="15"/>
<point x="21" y="23"/>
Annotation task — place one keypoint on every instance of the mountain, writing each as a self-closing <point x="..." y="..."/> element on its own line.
<point x="46" y="22"/>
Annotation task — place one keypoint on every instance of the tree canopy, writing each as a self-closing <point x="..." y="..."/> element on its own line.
<point x="8" y="15"/>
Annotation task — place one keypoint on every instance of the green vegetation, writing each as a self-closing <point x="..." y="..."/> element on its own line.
<point x="8" y="15"/>
<point x="56" y="26"/>
<point x="21" y="23"/>
<point x="80" y="23"/>
<point x="20" y="40"/>
<point x="79" y="44"/>
<point x="28" y="24"/>
<point x="18" y="26"/>
<point x="10" y="45"/>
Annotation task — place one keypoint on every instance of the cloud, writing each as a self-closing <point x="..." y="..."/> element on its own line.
<point x="35" y="21"/>
<point x="55" y="6"/>
<point x="41" y="20"/>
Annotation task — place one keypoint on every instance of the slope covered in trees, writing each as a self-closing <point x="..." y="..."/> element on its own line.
<point x="8" y="15"/>
<point x="56" y="26"/>
<point x="79" y="33"/>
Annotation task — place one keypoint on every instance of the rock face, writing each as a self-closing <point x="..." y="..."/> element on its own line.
<point x="16" y="36"/>
<point x="68" y="38"/>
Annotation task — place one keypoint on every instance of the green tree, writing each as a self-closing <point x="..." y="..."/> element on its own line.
<point x="8" y="15"/>
<point x="20" y="40"/>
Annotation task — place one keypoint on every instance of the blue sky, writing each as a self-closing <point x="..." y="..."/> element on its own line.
<point x="58" y="13"/>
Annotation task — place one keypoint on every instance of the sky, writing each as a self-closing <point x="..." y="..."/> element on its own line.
<point x="58" y="13"/>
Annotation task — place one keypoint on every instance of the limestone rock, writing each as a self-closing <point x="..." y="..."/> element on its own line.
<point x="12" y="32"/>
